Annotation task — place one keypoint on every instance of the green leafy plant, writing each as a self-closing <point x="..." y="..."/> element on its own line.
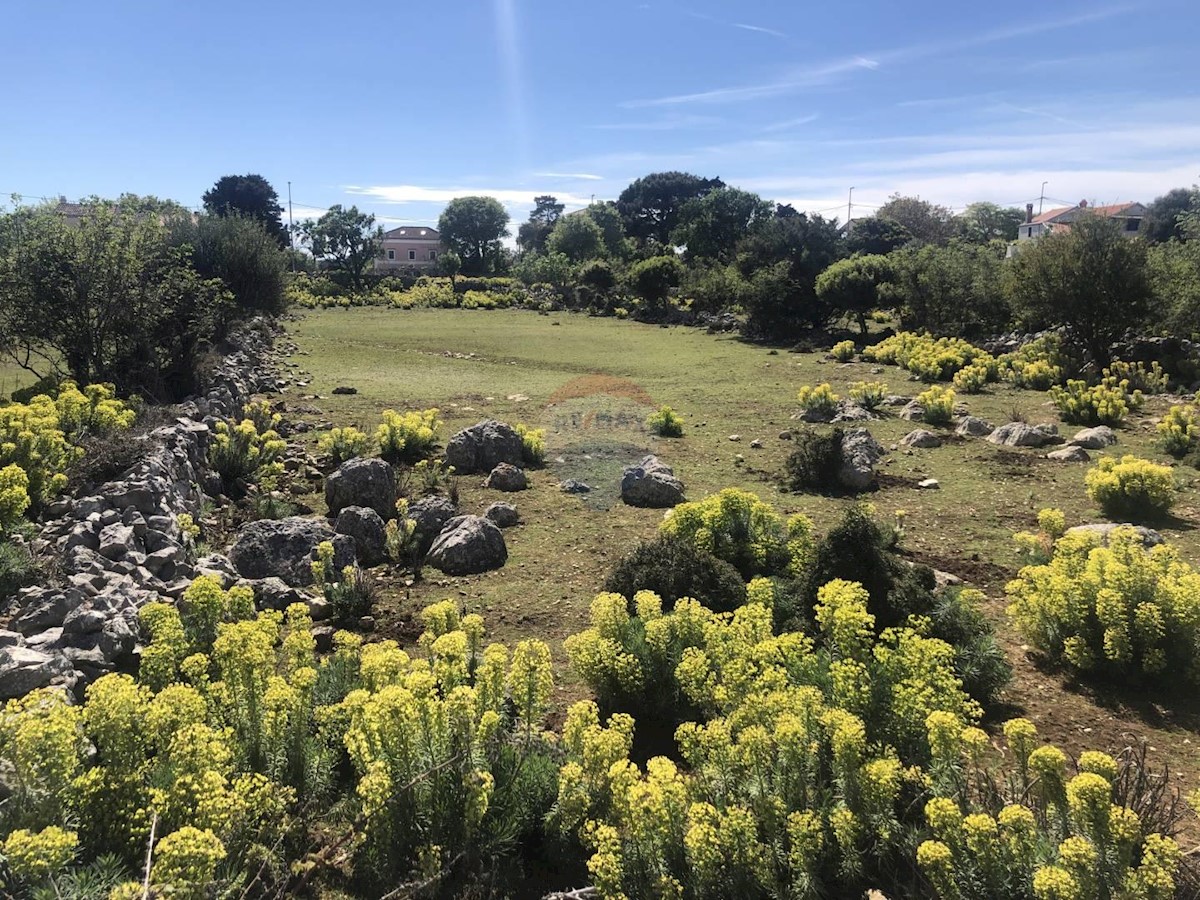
<point x="241" y="453"/>
<point x="533" y="444"/>
<point x="674" y="568"/>
<point x="408" y="437"/>
<point x="350" y="592"/>
<point x="665" y="423"/>
<point x="870" y="395"/>
<point x="1130" y="487"/>
<point x="342" y="444"/>
<point x="819" y="401"/>
<point x="1178" y="432"/>
<point x="938" y="405"/>
<point x="1106" y="403"/>
<point x="843" y="351"/>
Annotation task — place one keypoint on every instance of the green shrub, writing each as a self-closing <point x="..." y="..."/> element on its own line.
<point x="17" y="568"/>
<point x="1106" y="403"/>
<point x="843" y="351"/>
<point x="408" y="437"/>
<point x="240" y="453"/>
<point x="665" y="423"/>
<point x="869" y="394"/>
<point x="819" y="401"/>
<point x="1131" y="488"/>
<point x="1146" y="381"/>
<point x="14" y="497"/>
<point x="344" y="443"/>
<point x="350" y="592"/>
<point x="971" y="379"/>
<point x="1119" y="610"/>
<point x="674" y="568"/>
<point x="533" y="444"/>
<point x="1179" y="431"/>
<point x="926" y="357"/>
<point x="938" y="405"/>
<point x="813" y="464"/>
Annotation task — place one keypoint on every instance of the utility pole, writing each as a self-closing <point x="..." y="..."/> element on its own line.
<point x="1042" y="198"/>
<point x="849" y="212"/>
<point x="291" y="229"/>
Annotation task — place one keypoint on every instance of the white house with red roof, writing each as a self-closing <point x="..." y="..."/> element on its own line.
<point x="1129" y="215"/>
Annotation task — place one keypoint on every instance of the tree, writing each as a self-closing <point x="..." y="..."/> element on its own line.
<point x="925" y="221"/>
<point x="241" y="252"/>
<point x="1090" y="280"/>
<point x="473" y="227"/>
<point x="532" y="235"/>
<point x="543" y="268"/>
<point x="1174" y="272"/>
<point x="877" y="235"/>
<point x="347" y="240"/>
<point x="781" y="260"/>
<point x="106" y="300"/>
<point x="951" y="290"/>
<point x="982" y="222"/>
<point x="577" y="237"/>
<point x="652" y="279"/>
<point x="650" y="206"/>
<point x="711" y="226"/>
<point x="251" y="196"/>
<point x="851" y="286"/>
<point x="608" y="220"/>
<point x="1166" y="214"/>
<point x="449" y="264"/>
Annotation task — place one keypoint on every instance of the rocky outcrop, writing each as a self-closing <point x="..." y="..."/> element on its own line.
<point x="651" y="483"/>
<point x="971" y="426"/>
<point x="468" y="545"/>
<point x="365" y="482"/>
<point x="484" y="446"/>
<point x="286" y="548"/>
<point x="860" y="454"/>
<point x="1094" y="438"/>
<point x="921" y="439"/>
<point x="365" y="527"/>
<point x="508" y="478"/>
<point x="1019" y="434"/>
<point x="431" y="515"/>
<point x="504" y="515"/>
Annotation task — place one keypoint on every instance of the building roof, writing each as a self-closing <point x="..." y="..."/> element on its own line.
<point x="412" y="233"/>
<point x="1110" y="211"/>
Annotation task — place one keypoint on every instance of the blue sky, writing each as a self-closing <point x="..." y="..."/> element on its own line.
<point x="399" y="107"/>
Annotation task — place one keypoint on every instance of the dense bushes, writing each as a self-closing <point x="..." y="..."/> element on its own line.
<point x="1106" y="403"/>
<point x="813" y="464"/>
<point x="665" y="423"/>
<point x="674" y="568"/>
<point x="239" y="453"/>
<point x="819" y="402"/>
<point x="244" y="255"/>
<point x="1118" y="610"/>
<point x="408" y="437"/>
<point x="1130" y="487"/>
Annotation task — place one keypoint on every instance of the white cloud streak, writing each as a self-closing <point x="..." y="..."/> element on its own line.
<point x="411" y="193"/>
<point x="569" y="176"/>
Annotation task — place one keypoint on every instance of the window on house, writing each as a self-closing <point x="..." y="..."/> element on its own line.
<point x="1132" y="224"/>
<point x="412" y="254"/>
<point x="432" y="255"/>
<point x="391" y="254"/>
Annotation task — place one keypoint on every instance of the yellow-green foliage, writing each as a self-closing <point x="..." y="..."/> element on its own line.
<point x="869" y="394"/>
<point x="665" y="423"/>
<point x="738" y="527"/>
<point x="436" y="295"/>
<point x="1117" y="609"/>
<point x="938" y="405"/>
<point x="926" y="357"/>
<point x="242" y="732"/>
<point x="344" y="443"/>
<point x="1179" y="430"/>
<point x="819" y="400"/>
<point x="533" y="444"/>
<point x="41" y="436"/>
<point x="806" y="760"/>
<point x="1106" y="403"/>
<point x="260" y="413"/>
<point x="1039" y="547"/>
<point x="1148" y="381"/>
<point x="1130" y="487"/>
<point x="972" y="379"/>
<point x="241" y="452"/>
<point x="408" y="437"/>
<point x="14" y="496"/>
<point x="843" y="351"/>
<point x="1036" y="366"/>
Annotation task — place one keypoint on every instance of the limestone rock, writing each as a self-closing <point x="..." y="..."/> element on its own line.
<point x="1094" y="438"/>
<point x="23" y="669"/>
<point x="972" y="426"/>
<point x="1150" y="537"/>
<point x="483" y="446"/>
<point x="503" y="514"/>
<point x="651" y="483"/>
<point x="468" y="545"/>
<point x="285" y="548"/>
<point x="1072" y="453"/>
<point x="921" y="439"/>
<point x="507" y="477"/>
<point x="571" y="486"/>
<point x="431" y="515"/>
<point x="1019" y="434"/>
<point x="365" y="527"/>
<point x="860" y="454"/>
<point x="362" y="482"/>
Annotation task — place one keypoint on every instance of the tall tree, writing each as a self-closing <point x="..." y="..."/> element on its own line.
<point x="711" y="226"/>
<point x="608" y="220"/>
<point x="1091" y="280"/>
<point x="982" y="222"/>
<point x="851" y="286"/>
<point x="251" y="196"/>
<point x="1165" y="216"/>
<point x="781" y="259"/>
<point x="473" y="227"/>
<point x="577" y="237"/>
<point x="877" y="235"/>
<point x="650" y="206"/>
<point x="952" y="290"/>
<point x="927" y="222"/>
<point x="347" y="241"/>
<point x="532" y="235"/>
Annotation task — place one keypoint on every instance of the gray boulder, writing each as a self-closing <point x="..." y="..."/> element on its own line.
<point x="117" y="541"/>
<point x="23" y="669"/>
<point x="860" y="454"/>
<point x="1104" y="530"/>
<point x="365" y="527"/>
<point x="362" y="482"/>
<point x="484" y="446"/>
<point x="921" y="440"/>
<point x="1094" y="438"/>
<point x="1019" y="434"/>
<point x="912" y="411"/>
<point x="851" y="412"/>
<point x="218" y="566"/>
<point x="972" y="426"/>
<point x="504" y="515"/>
<point x="572" y="486"/>
<point x="506" y="477"/>
<point x="42" y="608"/>
<point x="273" y="593"/>
<point x="285" y="548"/>
<point x="651" y="483"/>
<point x="468" y="545"/>
<point x="1072" y="453"/>
<point x="431" y="515"/>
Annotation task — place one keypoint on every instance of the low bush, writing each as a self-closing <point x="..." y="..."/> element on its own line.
<point x="17" y="567"/>
<point x="1146" y="381"/>
<point x="665" y="423"/>
<point x="350" y="592"/>
<point x="928" y="358"/>
<point x="1118" y="610"/>
<point x="1106" y="403"/>
<point x="843" y="351"/>
<point x="870" y="395"/>
<point x="260" y="413"/>
<point x="673" y="568"/>
<point x="1179" y="431"/>
<point x="239" y="453"/>
<point x="14" y="497"/>
<point x="819" y="401"/>
<point x="533" y="444"/>
<point x="342" y="444"/>
<point x="738" y="527"/>
<point x="1131" y="488"/>
<point x="1035" y="366"/>
<point x="814" y="462"/>
<point x="1039" y="547"/>
<point x="971" y="379"/>
<point x="938" y="405"/>
<point x="408" y="437"/>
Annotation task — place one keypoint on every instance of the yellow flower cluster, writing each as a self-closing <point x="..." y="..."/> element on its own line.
<point x="533" y="444"/>
<point x="974" y="378"/>
<point x="408" y="437"/>
<point x="937" y="404"/>
<point x="14" y="495"/>
<point x="1179" y="430"/>
<point x="1119" y="608"/>
<point x="1130" y="488"/>
<point x="665" y="423"/>
<point x="842" y="351"/>
<point x="819" y="400"/>
<point x="1036" y="366"/>
<point x="1106" y="403"/>
<point x="869" y="394"/>
<point x="240" y="451"/>
<point x="928" y="358"/>
<point x="342" y="444"/>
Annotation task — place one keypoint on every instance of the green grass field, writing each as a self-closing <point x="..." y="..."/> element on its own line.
<point x="12" y="378"/>
<point x="591" y="383"/>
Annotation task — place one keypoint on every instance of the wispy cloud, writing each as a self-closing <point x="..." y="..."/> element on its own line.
<point x="412" y="193"/>
<point x="789" y="124"/>
<point x="760" y="29"/>
<point x="668" y="123"/>
<point x="570" y="176"/>
<point x="823" y="73"/>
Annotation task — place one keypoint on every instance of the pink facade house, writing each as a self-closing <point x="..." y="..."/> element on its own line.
<point x="409" y="246"/>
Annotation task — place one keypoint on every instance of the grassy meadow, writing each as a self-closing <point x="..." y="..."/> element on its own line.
<point x="591" y="383"/>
